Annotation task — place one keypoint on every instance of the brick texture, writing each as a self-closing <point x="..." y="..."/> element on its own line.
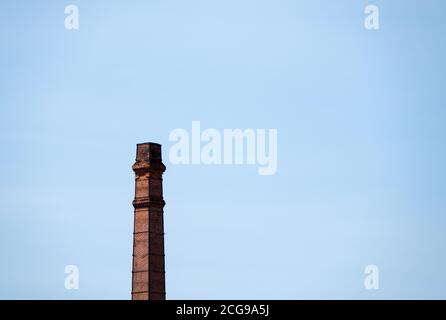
<point x="148" y="272"/>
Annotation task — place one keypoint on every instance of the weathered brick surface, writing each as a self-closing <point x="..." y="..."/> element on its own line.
<point x="148" y="276"/>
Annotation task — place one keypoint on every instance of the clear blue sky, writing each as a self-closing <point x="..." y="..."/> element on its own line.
<point x="361" y="146"/>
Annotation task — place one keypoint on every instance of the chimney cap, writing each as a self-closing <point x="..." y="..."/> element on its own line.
<point x="148" y="152"/>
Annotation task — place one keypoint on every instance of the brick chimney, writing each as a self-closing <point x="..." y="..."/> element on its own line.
<point x="148" y="281"/>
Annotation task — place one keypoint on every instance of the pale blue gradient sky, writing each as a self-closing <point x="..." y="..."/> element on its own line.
<point x="361" y="123"/>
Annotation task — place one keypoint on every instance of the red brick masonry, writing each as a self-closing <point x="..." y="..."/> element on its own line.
<point x="148" y="280"/>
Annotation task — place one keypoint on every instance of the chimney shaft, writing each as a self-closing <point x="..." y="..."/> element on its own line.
<point x="148" y="274"/>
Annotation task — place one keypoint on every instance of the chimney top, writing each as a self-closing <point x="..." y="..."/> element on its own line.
<point x="148" y="152"/>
